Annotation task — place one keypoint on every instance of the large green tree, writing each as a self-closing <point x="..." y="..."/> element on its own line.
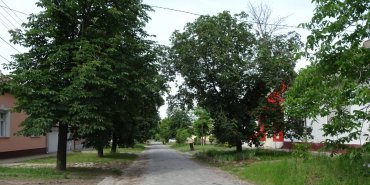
<point x="74" y="63"/>
<point x="177" y="121"/>
<point x="229" y="69"/>
<point x="203" y="124"/>
<point x="339" y="74"/>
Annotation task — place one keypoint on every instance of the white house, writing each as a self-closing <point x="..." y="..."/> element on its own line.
<point x="318" y="134"/>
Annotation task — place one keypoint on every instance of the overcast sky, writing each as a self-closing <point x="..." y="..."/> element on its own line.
<point x="164" y="22"/>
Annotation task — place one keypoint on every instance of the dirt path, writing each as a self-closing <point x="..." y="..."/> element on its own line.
<point x="160" y="165"/>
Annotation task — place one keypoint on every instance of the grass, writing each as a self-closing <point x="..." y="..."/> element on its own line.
<point x="122" y="155"/>
<point x="268" y="167"/>
<point x="51" y="173"/>
<point x="318" y="170"/>
<point x="199" y="148"/>
<point x="84" y="157"/>
<point x="31" y="173"/>
<point x="136" y="149"/>
<point x="110" y="164"/>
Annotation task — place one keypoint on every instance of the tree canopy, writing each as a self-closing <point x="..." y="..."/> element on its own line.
<point x="88" y="65"/>
<point x="229" y="71"/>
<point x="339" y="75"/>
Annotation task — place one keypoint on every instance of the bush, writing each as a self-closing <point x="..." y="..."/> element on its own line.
<point x="181" y="136"/>
<point x="211" y="138"/>
<point x="301" y="150"/>
<point x="197" y="141"/>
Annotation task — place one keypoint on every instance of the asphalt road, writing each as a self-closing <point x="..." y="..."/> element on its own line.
<point x="166" y="166"/>
<point x="160" y="165"/>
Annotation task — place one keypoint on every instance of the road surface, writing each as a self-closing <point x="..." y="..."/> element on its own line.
<point x="164" y="166"/>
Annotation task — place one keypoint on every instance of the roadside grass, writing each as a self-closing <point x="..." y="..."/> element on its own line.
<point x="82" y="157"/>
<point x="51" y="173"/>
<point x="199" y="148"/>
<point x="122" y="155"/>
<point x="318" y="170"/>
<point x="269" y="167"/>
<point x="136" y="149"/>
<point x="81" y="165"/>
<point x="31" y="173"/>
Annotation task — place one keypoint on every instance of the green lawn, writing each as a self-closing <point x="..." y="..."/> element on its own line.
<point x="122" y="155"/>
<point x="88" y="157"/>
<point x="199" y="148"/>
<point x="268" y="167"/>
<point x="81" y="165"/>
<point x="318" y="170"/>
<point x="31" y="173"/>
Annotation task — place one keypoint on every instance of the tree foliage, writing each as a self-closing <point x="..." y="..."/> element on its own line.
<point x="339" y="75"/>
<point x="203" y="124"/>
<point x="177" y="120"/>
<point x="229" y="70"/>
<point x="88" y="62"/>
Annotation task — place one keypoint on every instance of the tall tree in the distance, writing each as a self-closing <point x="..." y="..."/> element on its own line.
<point x="229" y="70"/>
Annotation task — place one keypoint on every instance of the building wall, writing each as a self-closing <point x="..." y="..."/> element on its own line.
<point x="18" y="144"/>
<point x="318" y="133"/>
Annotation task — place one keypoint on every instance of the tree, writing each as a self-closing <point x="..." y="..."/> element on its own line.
<point x="74" y="63"/>
<point x="179" y="119"/>
<point x="181" y="135"/>
<point x="229" y="70"/>
<point x="203" y="124"/>
<point x="339" y="75"/>
<point x="164" y="130"/>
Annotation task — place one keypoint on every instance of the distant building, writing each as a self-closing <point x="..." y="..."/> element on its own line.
<point x="318" y="134"/>
<point x="279" y="141"/>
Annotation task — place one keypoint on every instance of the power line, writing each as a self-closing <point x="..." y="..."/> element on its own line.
<point x="14" y="10"/>
<point x="4" y="24"/>
<point x="5" y="10"/>
<point x="191" y="13"/>
<point x="176" y="10"/>
<point x="4" y="58"/>
<point x="8" y="20"/>
<point x="7" y="7"/>
<point x="10" y="44"/>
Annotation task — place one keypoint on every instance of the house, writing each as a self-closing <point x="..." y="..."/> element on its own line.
<point x="317" y="141"/>
<point x="12" y="145"/>
<point x="318" y="134"/>
<point x="273" y="103"/>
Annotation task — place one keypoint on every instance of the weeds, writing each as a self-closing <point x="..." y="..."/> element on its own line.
<point x="268" y="167"/>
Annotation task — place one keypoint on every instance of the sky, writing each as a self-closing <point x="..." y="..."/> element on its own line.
<point x="164" y="22"/>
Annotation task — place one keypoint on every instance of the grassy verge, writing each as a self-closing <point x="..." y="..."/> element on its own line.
<point x="87" y="157"/>
<point x="315" y="170"/>
<point x="268" y="167"/>
<point x="199" y="148"/>
<point x="81" y="165"/>
<point x="31" y="173"/>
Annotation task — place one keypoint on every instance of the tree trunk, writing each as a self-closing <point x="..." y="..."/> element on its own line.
<point x="114" y="144"/>
<point x="62" y="147"/>
<point x="239" y="146"/>
<point x="100" y="152"/>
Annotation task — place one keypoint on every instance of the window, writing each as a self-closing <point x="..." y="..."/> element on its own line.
<point x="4" y="124"/>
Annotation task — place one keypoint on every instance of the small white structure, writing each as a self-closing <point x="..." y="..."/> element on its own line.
<point x="52" y="142"/>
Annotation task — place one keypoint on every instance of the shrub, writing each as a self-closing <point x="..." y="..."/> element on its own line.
<point x="181" y="136"/>
<point x="211" y="138"/>
<point x="301" y="150"/>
